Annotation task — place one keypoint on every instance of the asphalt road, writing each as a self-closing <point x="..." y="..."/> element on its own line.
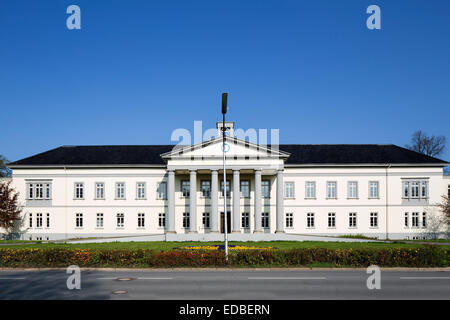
<point x="253" y="284"/>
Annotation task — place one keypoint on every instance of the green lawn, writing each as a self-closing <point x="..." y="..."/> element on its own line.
<point x="163" y="246"/>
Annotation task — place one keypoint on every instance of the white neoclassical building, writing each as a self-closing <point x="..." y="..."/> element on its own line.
<point x="110" y="191"/>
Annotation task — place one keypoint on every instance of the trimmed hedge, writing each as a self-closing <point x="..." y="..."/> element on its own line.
<point x="427" y="256"/>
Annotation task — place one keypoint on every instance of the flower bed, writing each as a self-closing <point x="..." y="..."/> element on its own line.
<point x="427" y="256"/>
<point x="222" y="247"/>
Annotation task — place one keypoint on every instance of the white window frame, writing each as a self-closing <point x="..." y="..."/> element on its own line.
<point x="79" y="221"/>
<point x="206" y="220"/>
<point x="120" y="220"/>
<point x="245" y="185"/>
<point x="374" y="220"/>
<point x="415" y="223"/>
<point x="265" y="220"/>
<point x="331" y="189"/>
<point x="265" y="188"/>
<point x="185" y="188"/>
<point x="47" y="222"/>
<point x="141" y="220"/>
<point x="120" y="191"/>
<point x="374" y="185"/>
<point x="99" y="222"/>
<point x="161" y="220"/>
<point x="289" y="190"/>
<point x="245" y="220"/>
<point x="331" y="221"/>
<point x="100" y="186"/>
<point x="406" y="220"/>
<point x="310" y="190"/>
<point x="186" y="220"/>
<point x="424" y="220"/>
<point x="78" y="191"/>
<point x="352" y="193"/>
<point x="310" y="220"/>
<point x="289" y="220"/>
<point x="141" y="190"/>
<point x="161" y="190"/>
<point x="353" y="220"/>
<point x="39" y="220"/>
<point x="205" y="188"/>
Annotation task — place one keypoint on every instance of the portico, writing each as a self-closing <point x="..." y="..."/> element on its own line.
<point x="254" y="188"/>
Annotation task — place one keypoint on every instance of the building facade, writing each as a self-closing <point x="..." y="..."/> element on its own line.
<point x="109" y="191"/>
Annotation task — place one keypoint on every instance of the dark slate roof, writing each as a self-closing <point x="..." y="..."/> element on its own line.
<point x="314" y="154"/>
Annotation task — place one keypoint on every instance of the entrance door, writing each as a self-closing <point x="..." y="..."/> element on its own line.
<point x="222" y="224"/>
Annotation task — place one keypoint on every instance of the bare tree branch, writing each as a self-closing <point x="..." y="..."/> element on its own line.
<point x="430" y="145"/>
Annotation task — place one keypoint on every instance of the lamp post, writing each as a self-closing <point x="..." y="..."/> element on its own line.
<point x="225" y="214"/>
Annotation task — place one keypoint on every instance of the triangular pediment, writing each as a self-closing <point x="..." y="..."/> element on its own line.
<point x="234" y="148"/>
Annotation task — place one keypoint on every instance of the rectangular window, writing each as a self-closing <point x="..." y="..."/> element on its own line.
<point x="79" y="220"/>
<point x="448" y="191"/>
<point x="331" y="220"/>
<point x="289" y="220"/>
<point x="310" y="220"/>
<point x="48" y="191"/>
<point x="424" y="189"/>
<point x="424" y="220"/>
<point x="99" y="220"/>
<point x="405" y="189"/>
<point x="206" y="188"/>
<point x="140" y="190"/>
<point x="331" y="189"/>
<point x="205" y="220"/>
<point x="373" y="189"/>
<point x="228" y="188"/>
<point x="245" y="220"/>
<point x="406" y="220"/>
<point x="414" y="189"/>
<point x="120" y="220"/>
<point x="120" y="190"/>
<point x="265" y="220"/>
<point x="48" y="220"/>
<point x="352" y="220"/>
<point x="162" y="220"/>
<point x="374" y="220"/>
<point x="141" y="220"/>
<point x="352" y="189"/>
<point x="30" y="224"/>
<point x="289" y="190"/>
<point x="162" y="190"/>
<point x="39" y="191"/>
<point x="99" y="190"/>
<point x="185" y="188"/>
<point x="30" y="191"/>
<point x="265" y="189"/>
<point x="415" y="220"/>
<point x="38" y="220"/>
<point x="79" y="190"/>
<point x="245" y="188"/>
<point x="310" y="189"/>
<point x="186" y="220"/>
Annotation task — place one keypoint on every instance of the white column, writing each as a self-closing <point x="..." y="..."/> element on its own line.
<point x="214" y="201"/>
<point x="193" y="201"/>
<point x="258" y="226"/>
<point x="236" y="202"/>
<point x="280" y="202"/>
<point x="171" y="201"/>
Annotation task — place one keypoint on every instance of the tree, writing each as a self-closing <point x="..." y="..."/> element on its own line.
<point x="430" y="145"/>
<point x="9" y="207"/>
<point x="4" y="170"/>
<point x="445" y="207"/>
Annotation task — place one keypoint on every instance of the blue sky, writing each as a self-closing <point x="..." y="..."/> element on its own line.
<point x="137" y="70"/>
